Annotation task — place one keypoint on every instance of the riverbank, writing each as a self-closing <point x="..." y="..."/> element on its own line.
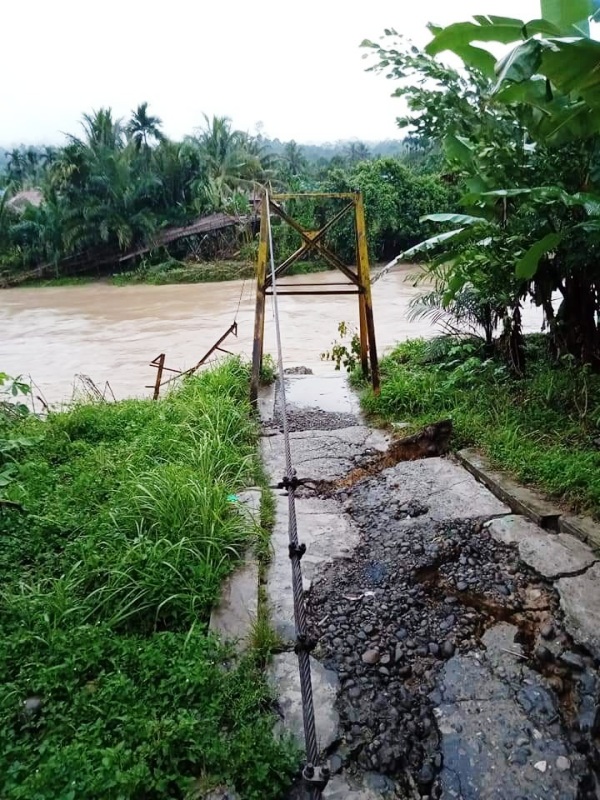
<point x="543" y="429"/>
<point x="173" y="272"/>
<point x="110" y="685"/>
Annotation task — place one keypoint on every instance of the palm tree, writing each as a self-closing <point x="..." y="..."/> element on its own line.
<point x="49" y="155"/>
<point x="229" y="161"/>
<point x="16" y="166"/>
<point x="294" y="158"/>
<point x="176" y="166"/>
<point x="102" y="130"/>
<point x="142" y="127"/>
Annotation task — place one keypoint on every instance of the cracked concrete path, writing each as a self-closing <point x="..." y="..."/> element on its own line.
<point x="553" y="555"/>
<point x="571" y="564"/>
<point x="334" y="439"/>
<point x="580" y="601"/>
<point x="323" y="455"/>
<point x="498" y="741"/>
<point x="420" y="578"/>
<point x="444" y="489"/>
<point x="327" y="536"/>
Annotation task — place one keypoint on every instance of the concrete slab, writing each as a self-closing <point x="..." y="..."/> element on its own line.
<point x="328" y="535"/>
<point x="584" y="528"/>
<point x="266" y="402"/>
<point x="521" y="500"/>
<point x="478" y="763"/>
<point x="342" y="788"/>
<point x="248" y="504"/>
<point x="329" y="393"/>
<point x="489" y="745"/>
<point x="284" y="678"/>
<point x="373" y="786"/>
<point x="553" y="555"/>
<point x="580" y="601"/>
<point x="234" y="617"/>
<point x="445" y="488"/>
<point x="322" y="455"/>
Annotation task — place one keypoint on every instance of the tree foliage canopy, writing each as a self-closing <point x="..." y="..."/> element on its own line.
<point x="522" y="134"/>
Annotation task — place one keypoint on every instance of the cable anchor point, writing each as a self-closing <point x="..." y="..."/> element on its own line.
<point x="316" y="777"/>
<point x="297" y="550"/>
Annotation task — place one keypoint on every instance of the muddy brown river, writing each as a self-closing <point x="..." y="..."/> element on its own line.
<point x="111" y="333"/>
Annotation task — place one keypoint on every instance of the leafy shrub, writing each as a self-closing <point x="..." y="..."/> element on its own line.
<point x="131" y="717"/>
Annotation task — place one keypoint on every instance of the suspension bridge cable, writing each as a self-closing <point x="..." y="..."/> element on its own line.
<point x="315" y="777"/>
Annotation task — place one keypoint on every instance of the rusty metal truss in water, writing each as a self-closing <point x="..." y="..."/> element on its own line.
<point x="159" y="362"/>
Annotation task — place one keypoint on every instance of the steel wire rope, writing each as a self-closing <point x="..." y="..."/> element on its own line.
<point x="240" y="300"/>
<point x="302" y="639"/>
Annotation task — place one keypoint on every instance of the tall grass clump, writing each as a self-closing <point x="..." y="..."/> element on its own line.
<point x="107" y="580"/>
<point x="543" y="428"/>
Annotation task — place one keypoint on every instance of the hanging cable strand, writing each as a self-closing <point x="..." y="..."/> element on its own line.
<point x="315" y="776"/>
<point x="240" y="300"/>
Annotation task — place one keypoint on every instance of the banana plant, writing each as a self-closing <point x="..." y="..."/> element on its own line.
<point x="522" y="136"/>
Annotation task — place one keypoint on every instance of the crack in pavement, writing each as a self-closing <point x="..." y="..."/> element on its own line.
<point x="575" y="574"/>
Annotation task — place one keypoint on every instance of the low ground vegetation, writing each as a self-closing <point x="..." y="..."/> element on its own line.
<point x="110" y="685"/>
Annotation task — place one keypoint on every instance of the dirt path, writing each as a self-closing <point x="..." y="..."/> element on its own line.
<point x="445" y="667"/>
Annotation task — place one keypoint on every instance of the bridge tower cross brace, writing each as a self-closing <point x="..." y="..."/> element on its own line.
<point x="358" y="276"/>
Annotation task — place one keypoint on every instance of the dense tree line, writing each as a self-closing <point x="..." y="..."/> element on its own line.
<point x="119" y="183"/>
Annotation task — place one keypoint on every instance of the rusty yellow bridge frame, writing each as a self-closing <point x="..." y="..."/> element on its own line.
<point x="358" y="276"/>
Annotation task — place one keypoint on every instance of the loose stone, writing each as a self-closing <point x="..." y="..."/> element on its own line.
<point x="573" y="660"/>
<point x="448" y="649"/>
<point x="370" y="657"/>
<point x="547" y="631"/>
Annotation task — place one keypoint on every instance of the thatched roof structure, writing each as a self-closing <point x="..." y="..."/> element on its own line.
<point x="28" y="197"/>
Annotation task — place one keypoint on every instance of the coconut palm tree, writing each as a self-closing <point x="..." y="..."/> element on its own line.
<point x="356" y="152"/>
<point x="101" y="130"/>
<point x="143" y="127"/>
<point x="16" y="166"/>
<point x="294" y="158"/>
<point x="229" y="161"/>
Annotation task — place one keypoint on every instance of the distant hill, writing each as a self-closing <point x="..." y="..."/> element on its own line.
<point x="327" y="150"/>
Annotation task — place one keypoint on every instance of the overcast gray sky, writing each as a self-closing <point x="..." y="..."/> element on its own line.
<point x="294" y="67"/>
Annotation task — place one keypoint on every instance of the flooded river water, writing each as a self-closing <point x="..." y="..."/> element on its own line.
<point x="111" y="333"/>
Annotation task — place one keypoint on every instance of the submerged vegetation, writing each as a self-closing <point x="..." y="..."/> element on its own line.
<point x="116" y="535"/>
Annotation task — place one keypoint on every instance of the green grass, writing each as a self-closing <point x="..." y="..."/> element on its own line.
<point x="179" y="272"/>
<point x="540" y="428"/>
<point x="106" y="586"/>
<point x="42" y="283"/>
<point x="204" y="272"/>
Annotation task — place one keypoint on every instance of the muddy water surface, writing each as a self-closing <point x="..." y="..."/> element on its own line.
<point x="112" y="333"/>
